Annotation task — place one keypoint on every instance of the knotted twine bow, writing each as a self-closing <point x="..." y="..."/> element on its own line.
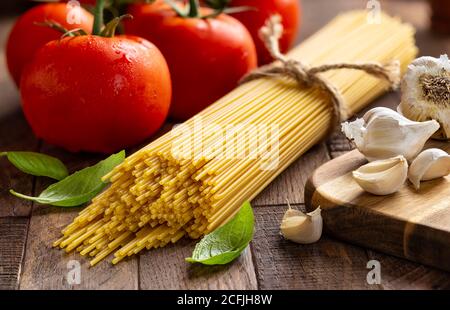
<point x="307" y="76"/>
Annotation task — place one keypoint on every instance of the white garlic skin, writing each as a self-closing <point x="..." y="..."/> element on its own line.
<point x="302" y="228"/>
<point x="429" y="165"/>
<point x="383" y="133"/>
<point x="414" y="103"/>
<point x="382" y="177"/>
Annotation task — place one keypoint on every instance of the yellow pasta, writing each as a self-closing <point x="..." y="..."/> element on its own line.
<point x="160" y="194"/>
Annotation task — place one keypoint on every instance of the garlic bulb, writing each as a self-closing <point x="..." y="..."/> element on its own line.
<point x="300" y="227"/>
<point x="428" y="165"/>
<point x="426" y="92"/>
<point x="382" y="177"/>
<point x="383" y="133"/>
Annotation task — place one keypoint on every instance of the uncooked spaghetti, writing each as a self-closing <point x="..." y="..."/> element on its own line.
<point x="157" y="197"/>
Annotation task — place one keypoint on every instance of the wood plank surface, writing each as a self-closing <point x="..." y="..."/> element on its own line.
<point x="410" y="224"/>
<point x="290" y="184"/>
<point x="400" y="274"/>
<point x="46" y="267"/>
<point x="269" y="276"/>
<point x="338" y="145"/>
<point x="19" y="139"/>
<point x="15" y="135"/>
<point x="166" y="269"/>
<point x="13" y="231"/>
<point x="272" y="263"/>
<point x="282" y="264"/>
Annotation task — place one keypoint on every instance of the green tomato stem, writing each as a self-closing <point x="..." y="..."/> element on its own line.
<point x="98" y="17"/>
<point x="194" y="8"/>
<point x="110" y="28"/>
<point x="175" y="7"/>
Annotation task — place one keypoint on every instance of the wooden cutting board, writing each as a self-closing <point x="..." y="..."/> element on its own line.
<point x="411" y="224"/>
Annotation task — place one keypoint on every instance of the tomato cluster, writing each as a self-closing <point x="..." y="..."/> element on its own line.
<point x="27" y="36"/>
<point x="206" y="57"/>
<point x="88" y="90"/>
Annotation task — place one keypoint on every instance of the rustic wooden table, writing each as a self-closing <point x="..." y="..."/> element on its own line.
<point x="27" y="260"/>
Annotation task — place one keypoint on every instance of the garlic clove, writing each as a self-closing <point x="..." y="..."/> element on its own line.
<point x="300" y="227"/>
<point x="429" y="165"/>
<point x="382" y="177"/>
<point x="383" y="133"/>
<point x="383" y="111"/>
<point x="426" y="92"/>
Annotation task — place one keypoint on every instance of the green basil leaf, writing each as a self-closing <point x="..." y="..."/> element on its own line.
<point x="37" y="164"/>
<point x="226" y="243"/>
<point x="79" y="187"/>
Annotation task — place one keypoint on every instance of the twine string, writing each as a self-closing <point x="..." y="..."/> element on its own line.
<point x="307" y="76"/>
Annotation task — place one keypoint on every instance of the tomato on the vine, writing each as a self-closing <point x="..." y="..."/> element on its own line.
<point x="207" y="56"/>
<point x="98" y="92"/>
<point x="259" y="11"/>
<point x="27" y="36"/>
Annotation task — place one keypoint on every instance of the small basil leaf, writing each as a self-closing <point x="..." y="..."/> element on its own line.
<point x="226" y="243"/>
<point x="37" y="164"/>
<point x="79" y="187"/>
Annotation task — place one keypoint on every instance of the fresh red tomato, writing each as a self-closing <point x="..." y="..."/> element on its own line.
<point x="98" y="94"/>
<point x="289" y="10"/>
<point x="206" y="56"/>
<point x="26" y="37"/>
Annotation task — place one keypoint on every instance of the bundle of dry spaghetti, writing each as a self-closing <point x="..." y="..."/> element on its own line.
<point x="157" y="196"/>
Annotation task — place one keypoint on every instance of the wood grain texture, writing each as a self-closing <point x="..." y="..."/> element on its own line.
<point x="290" y="184"/>
<point x="279" y="264"/>
<point x="15" y="135"/>
<point x="405" y="275"/>
<point x="396" y="273"/>
<point x="282" y="264"/>
<point x="410" y="224"/>
<point x="166" y="269"/>
<point x="338" y="144"/>
<point x="13" y="232"/>
<point x="46" y="267"/>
